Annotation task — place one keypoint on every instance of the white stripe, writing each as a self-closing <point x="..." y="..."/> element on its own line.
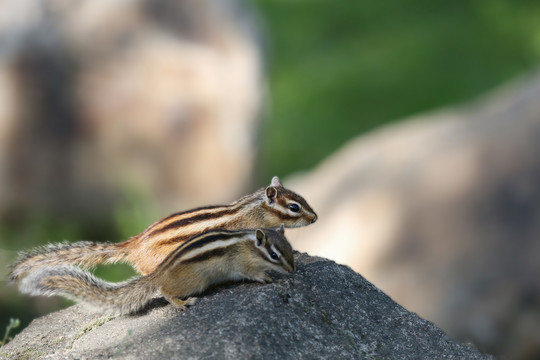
<point x="276" y="251"/>
<point x="209" y="247"/>
<point x="194" y="228"/>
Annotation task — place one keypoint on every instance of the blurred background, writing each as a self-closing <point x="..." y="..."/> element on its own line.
<point x="413" y="129"/>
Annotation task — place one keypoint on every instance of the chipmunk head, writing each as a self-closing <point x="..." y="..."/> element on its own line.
<point x="291" y="209"/>
<point x="275" y="250"/>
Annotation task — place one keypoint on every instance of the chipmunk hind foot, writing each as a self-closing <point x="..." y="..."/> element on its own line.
<point x="181" y="304"/>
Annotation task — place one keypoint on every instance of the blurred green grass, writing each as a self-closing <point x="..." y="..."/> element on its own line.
<point x="27" y="232"/>
<point x="341" y="68"/>
<point x="337" y="69"/>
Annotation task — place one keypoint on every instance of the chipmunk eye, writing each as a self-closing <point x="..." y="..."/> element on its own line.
<point x="274" y="256"/>
<point x="294" y="207"/>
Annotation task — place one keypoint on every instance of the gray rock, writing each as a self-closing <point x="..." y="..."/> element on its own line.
<point x="323" y="310"/>
<point x="442" y="212"/>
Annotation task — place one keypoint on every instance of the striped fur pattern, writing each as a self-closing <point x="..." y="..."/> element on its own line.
<point x="83" y="253"/>
<point x="209" y="259"/>
<point x="266" y="208"/>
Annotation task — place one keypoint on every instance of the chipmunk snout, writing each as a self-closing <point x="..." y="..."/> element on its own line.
<point x="292" y="267"/>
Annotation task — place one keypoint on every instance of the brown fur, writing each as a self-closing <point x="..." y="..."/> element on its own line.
<point x="148" y="249"/>
<point x="84" y="253"/>
<point x="185" y="272"/>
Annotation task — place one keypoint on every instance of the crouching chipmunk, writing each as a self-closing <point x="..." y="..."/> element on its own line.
<point x="268" y="207"/>
<point x="209" y="259"/>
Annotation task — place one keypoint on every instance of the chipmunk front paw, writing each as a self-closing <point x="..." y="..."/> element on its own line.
<point x="183" y="304"/>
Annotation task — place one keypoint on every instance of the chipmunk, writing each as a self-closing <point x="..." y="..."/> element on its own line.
<point x="266" y="208"/>
<point x="209" y="259"/>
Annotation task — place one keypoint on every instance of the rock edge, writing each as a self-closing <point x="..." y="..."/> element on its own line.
<point x="323" y="310"/>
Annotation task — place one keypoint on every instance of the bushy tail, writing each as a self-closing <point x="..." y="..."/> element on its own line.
<point x="84" y="253"/>
<point x="77" y="284"/>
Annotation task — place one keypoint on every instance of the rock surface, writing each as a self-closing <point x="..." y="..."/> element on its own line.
<point x="442" y="213"/>
<point x="323" y="310"/>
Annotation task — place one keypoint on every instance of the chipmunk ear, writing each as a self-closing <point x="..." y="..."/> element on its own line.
<point x="260" y="238"/>
<point x="282" y="229"/>
<point x="271" y="194"/>
<point x="276" y="182"/>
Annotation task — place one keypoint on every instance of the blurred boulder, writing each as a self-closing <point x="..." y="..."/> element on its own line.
<point x="442" y="212"/>
<point x="160" y="96"/>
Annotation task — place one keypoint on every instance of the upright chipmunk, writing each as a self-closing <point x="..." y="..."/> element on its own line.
<point x="266" y="208"/>
<point x="211" y="258"/>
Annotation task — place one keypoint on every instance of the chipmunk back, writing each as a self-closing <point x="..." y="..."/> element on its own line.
<point x="209" y="259"/>
<point x="265" y="208"/>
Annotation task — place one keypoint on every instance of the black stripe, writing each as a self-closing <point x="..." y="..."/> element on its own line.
<point x="282" y="202"/>
<point x="281" y="215"/>
<point x="177" y="239"/>
<point x="287" y="217"/>
<point x="206" y="240"/>
<point x="200" y="241"/>
<point x="192" y="219"/>
<point x="208" y="254"/>
<point x="282" y="192"/>
<point x="190" y="211"/>
<point x="155" y="225"/>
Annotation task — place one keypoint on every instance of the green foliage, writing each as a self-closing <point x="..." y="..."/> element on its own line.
<point x="115" y="272"/>
<point x="135" y="213"/>
<point x="13" y="324"/>
<point x="131" y="216"/>
<point x="36" y="229"/>
<point x="341" y="68"/>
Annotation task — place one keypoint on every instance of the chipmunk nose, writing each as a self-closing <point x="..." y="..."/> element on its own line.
<point x="315" y="217"/>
